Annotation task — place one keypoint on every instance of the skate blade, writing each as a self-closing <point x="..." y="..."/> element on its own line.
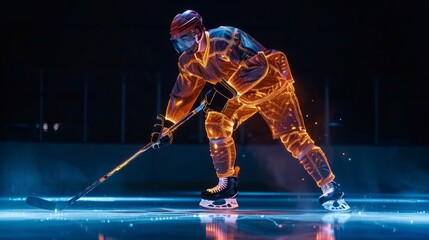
<point x="223" y="204"/>
<point x="336" y="217"/>
<point x="217" y="217"/>
<point x="339" y="205"/>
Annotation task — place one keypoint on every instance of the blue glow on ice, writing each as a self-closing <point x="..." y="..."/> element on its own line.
<point x="261" y="215"/>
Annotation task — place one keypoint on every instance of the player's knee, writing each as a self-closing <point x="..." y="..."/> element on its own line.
<point x="218" y="126"/>
<point x="295" y="142"/>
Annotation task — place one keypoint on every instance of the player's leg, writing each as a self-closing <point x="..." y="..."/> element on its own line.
<point x="283" y="115"/>
<point x="219" y="128"/>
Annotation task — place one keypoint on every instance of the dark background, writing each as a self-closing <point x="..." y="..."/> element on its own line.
<point x="371" y="55"/>
<point x="96" y="73"/>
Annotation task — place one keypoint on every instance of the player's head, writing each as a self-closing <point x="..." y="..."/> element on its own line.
<point x="187" y="32"/>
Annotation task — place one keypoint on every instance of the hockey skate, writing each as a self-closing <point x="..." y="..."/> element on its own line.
<point x="332" y="198"/>
<point x="224" y="195"/>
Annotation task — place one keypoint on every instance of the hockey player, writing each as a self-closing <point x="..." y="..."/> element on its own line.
<point x="247" y="78"/>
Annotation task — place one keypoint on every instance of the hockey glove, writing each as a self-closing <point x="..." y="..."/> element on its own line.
<point x="159" y="139"/>
<point x="217" y="98"/>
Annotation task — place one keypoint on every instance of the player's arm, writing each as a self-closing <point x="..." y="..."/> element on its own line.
<point x="183" y="96"/>
<point x="185" y="92"/>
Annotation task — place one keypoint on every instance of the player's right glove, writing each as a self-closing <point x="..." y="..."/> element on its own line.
<point x="217" y="98"/>
<point x="158" y="138"/>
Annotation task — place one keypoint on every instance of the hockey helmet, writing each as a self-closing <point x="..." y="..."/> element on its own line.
<point x="182" y="31"/>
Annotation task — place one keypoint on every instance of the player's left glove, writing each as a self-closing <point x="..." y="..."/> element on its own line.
<point x="217" y="98"/>
<point x="158" y="138"/>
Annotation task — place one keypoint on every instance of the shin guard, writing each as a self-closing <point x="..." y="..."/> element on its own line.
<point x="316" y="164"/>
<point x="219" y="130"/>
<point x="223" y="154"/>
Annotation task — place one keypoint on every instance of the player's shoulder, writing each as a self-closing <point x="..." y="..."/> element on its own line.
<point x="184" y="58"/>
<point x="225" y="32"/>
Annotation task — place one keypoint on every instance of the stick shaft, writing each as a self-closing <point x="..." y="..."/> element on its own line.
<point x="186" y="118"/>
<point x="109" y="174"/>
<point x="134" y="156"/>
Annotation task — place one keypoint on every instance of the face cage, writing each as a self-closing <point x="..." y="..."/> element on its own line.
<point x="184" y="43"/>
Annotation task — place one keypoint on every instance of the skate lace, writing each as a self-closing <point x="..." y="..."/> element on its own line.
<point x="223" y="182"/>
<point x="327" y="188"/>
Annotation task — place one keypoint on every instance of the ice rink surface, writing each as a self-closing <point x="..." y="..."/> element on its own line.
<point x="176" y="215"/>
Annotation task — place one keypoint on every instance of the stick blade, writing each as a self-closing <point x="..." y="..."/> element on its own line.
<point x="45" y="204"/>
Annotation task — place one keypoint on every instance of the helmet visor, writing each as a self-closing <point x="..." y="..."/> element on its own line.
<point x="184" y="42"/>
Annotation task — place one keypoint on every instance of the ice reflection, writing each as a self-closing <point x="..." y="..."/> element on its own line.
<point x="259" y="217"/>
<point x="218" y="226"/>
